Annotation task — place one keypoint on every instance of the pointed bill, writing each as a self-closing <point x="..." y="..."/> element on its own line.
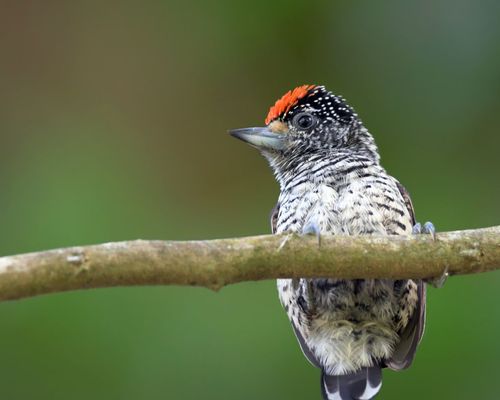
<point x="261" y="138"/>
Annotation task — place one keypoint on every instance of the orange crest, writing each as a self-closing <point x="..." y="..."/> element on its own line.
<point x="288" y="100"/>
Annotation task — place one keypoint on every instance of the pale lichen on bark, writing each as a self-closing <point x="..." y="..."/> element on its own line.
<point x="216" y="263"/>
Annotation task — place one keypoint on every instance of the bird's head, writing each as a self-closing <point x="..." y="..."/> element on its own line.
<point x="309" y="120"/>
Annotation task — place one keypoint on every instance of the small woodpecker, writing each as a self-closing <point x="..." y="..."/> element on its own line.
<point x="331" y="182"/>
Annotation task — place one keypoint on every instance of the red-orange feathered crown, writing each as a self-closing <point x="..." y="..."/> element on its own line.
<point x="288" y="100"/>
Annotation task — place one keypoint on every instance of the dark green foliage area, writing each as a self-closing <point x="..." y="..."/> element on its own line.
<point x="113" y="120"/>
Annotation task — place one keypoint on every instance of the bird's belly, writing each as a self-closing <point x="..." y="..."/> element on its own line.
<point x="348" y="324"/>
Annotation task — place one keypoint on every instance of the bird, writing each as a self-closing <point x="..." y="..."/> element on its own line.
<point x="331" y="181"/>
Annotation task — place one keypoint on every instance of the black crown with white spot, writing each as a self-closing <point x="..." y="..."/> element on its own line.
<point x="325" y="105"/>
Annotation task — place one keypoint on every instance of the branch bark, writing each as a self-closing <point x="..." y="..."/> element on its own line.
<point x="216" y="263"/>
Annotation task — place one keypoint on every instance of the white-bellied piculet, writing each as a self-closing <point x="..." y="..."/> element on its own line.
<point x="331" y="182"/>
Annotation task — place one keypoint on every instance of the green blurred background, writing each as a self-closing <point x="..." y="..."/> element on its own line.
<point x="113" y="120"/>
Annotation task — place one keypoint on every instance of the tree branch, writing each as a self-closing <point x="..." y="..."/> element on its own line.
<point x="216" y="263"/>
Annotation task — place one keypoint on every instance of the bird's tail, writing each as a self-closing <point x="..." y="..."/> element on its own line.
<point x="361" y="385"/>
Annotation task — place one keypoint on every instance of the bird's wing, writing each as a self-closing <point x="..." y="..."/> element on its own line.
<point x="305" y="348"/>
<point x="412" y="333"/>
<point x="407" y="199"/>
<point x="274" y="217"/>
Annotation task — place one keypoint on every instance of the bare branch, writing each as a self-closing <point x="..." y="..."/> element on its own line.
<point x="216" y="263"/>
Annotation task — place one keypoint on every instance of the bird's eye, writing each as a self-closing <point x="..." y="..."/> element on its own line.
<point x="304" y="121"/>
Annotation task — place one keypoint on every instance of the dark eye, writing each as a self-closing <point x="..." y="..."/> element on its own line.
<point x="304" y="121"/>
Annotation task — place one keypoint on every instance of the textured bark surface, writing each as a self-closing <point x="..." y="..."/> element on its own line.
<point x="216" y="263"/>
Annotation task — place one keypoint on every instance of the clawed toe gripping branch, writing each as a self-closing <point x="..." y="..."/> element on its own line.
<point x="216" y="263"/>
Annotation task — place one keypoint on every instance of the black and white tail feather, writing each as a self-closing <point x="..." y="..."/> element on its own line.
<point x="361" y="385"/>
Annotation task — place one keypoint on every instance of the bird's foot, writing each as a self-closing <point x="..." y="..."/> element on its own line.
<point x="312" y="228"/>
<point x="429" y="229"/>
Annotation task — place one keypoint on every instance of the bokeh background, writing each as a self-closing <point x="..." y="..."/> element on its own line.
<point x="113" y="120"/>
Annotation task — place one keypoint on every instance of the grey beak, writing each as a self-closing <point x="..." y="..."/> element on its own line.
<point x="261" y="138"/>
